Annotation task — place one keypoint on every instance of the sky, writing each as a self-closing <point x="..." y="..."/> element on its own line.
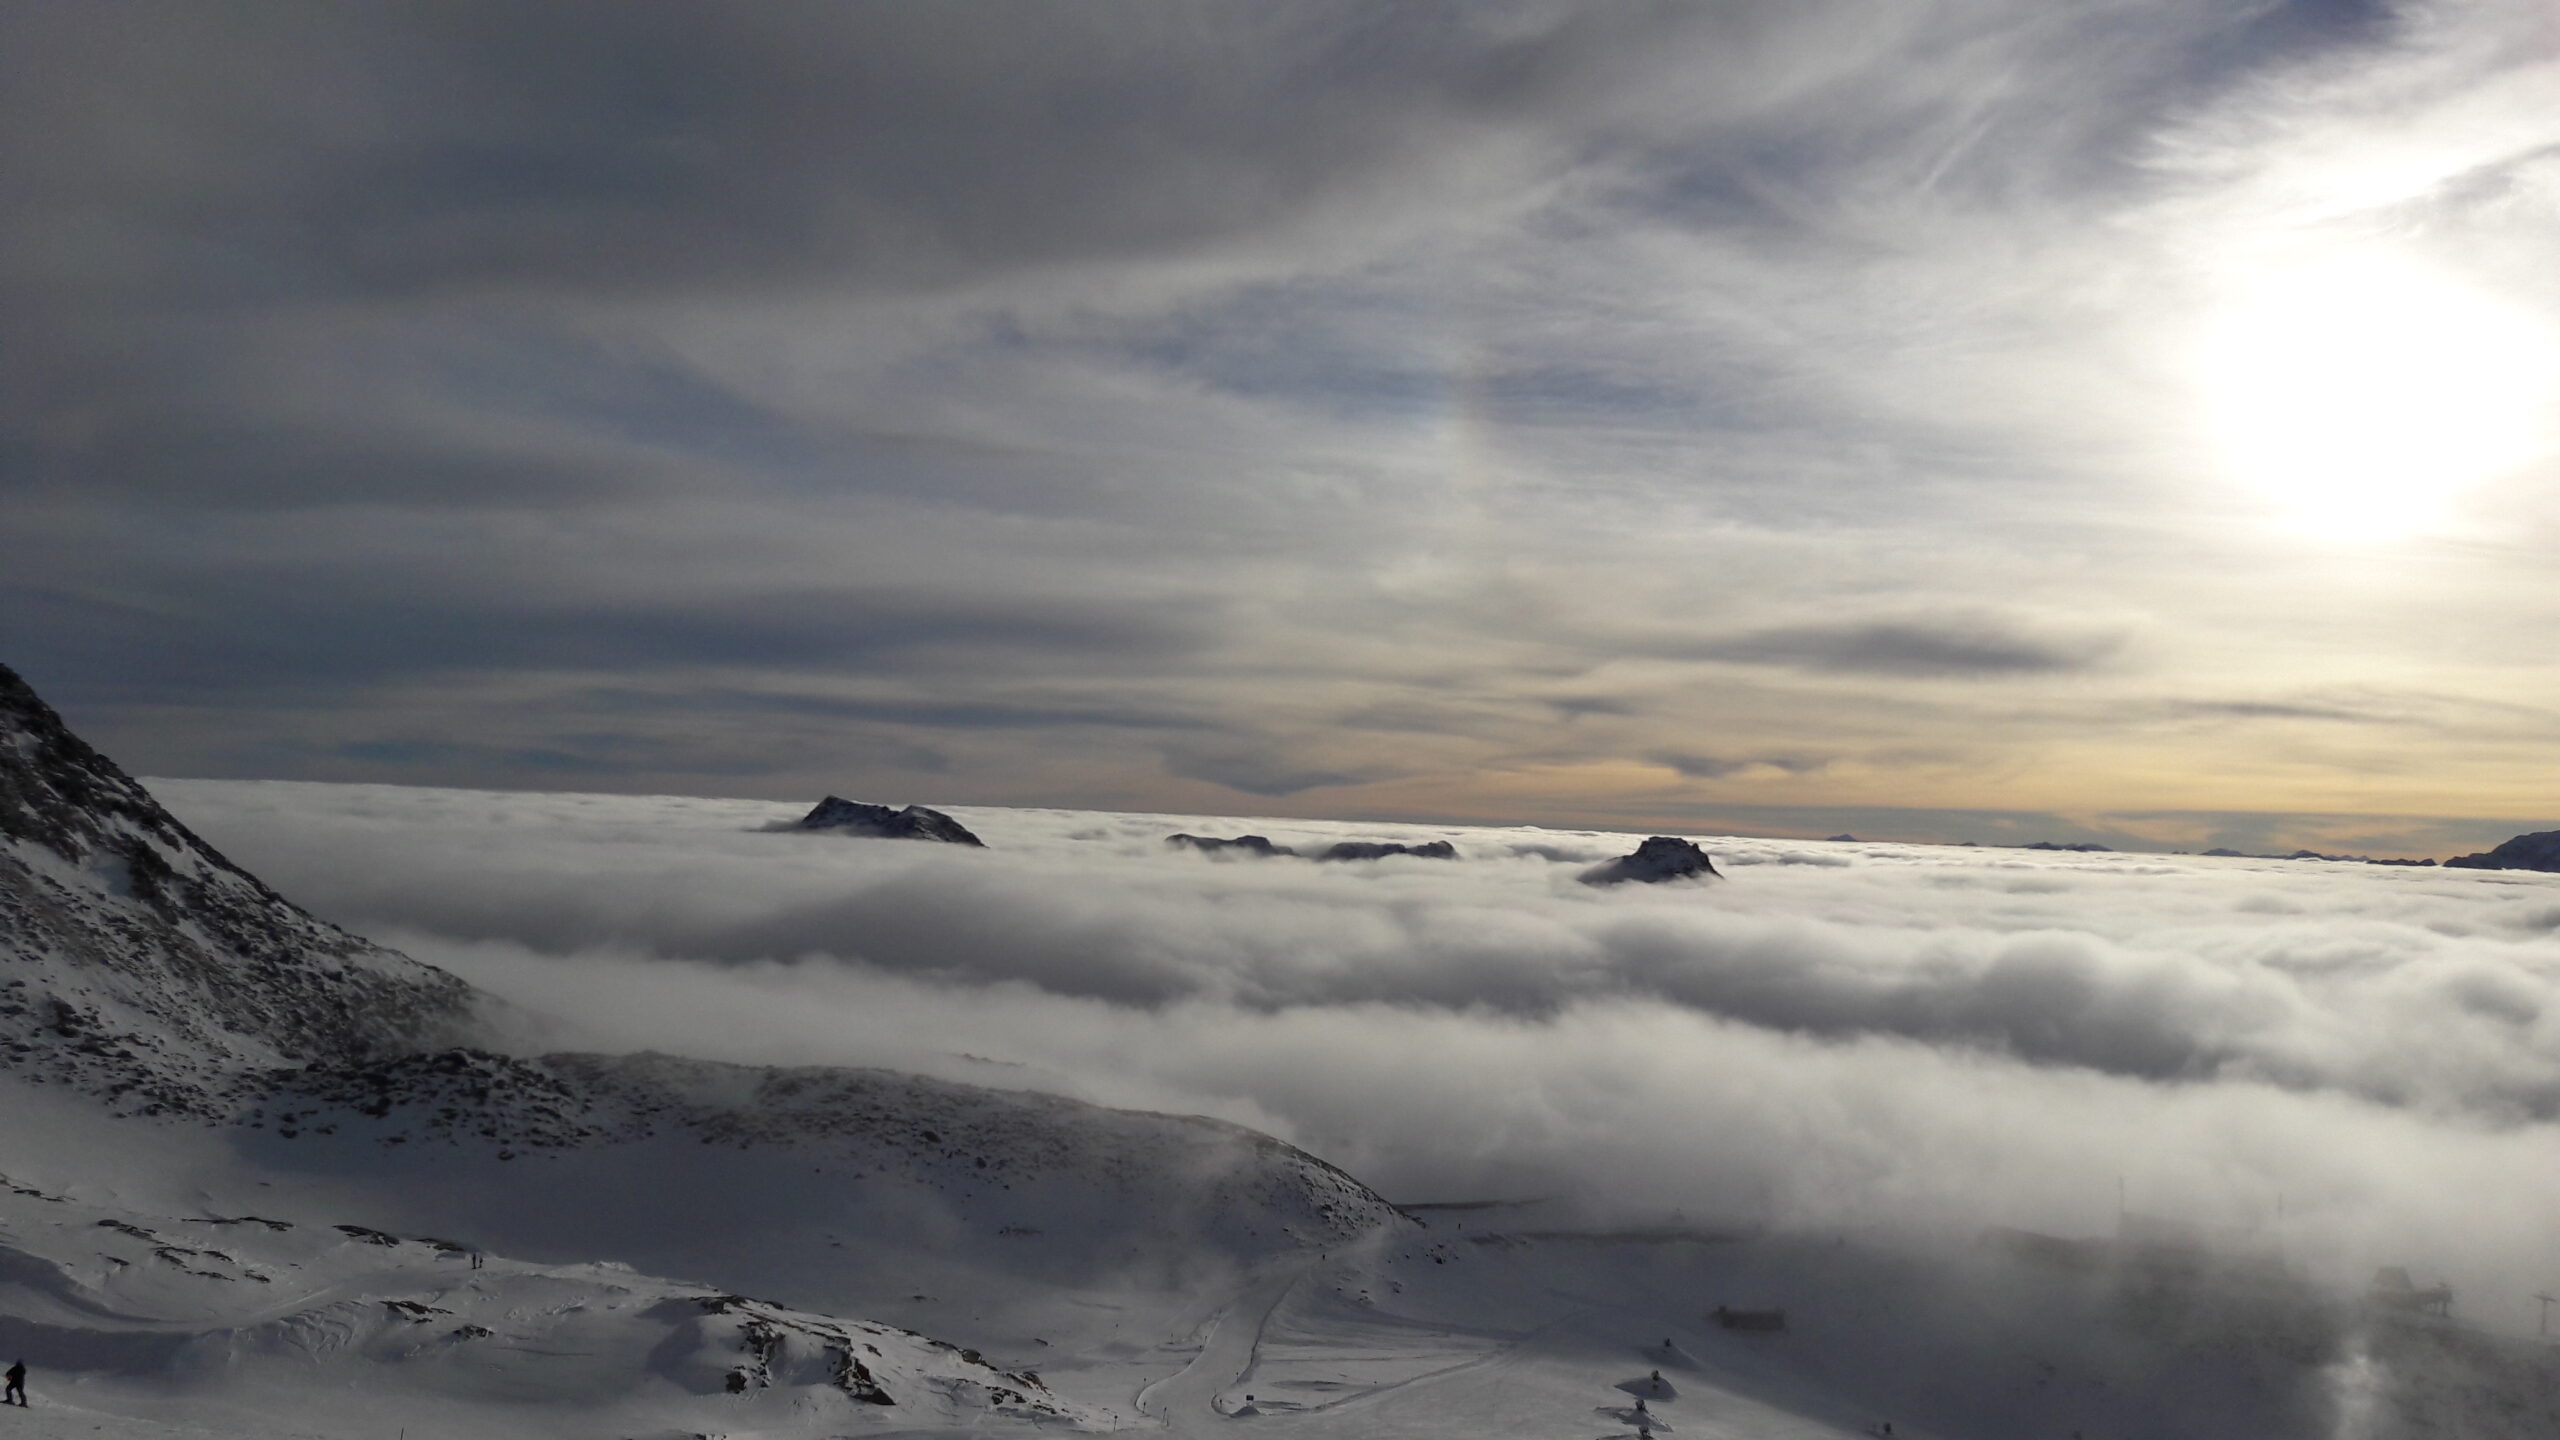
<point x="2130" y="422"/>
<point x="2353" y="1065"/>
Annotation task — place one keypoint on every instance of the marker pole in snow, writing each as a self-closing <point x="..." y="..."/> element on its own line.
<point x="2544" y="1330"/>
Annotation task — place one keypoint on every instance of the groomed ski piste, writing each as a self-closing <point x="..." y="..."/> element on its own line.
<point x="222" y="1217"/>
<point x="223" y="1304"/>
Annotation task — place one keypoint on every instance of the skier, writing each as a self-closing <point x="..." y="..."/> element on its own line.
<point x="17" y="1391"/>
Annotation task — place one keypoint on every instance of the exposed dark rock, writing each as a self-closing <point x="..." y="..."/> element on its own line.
<point x="1212" y="845"/>
<point x="2537" y="851"/>
<point x="1844" y="839"/>
<point x="2083" y="847"/>
<point x="1661" y="857"/>
<point x="879" y="822"/>
<point x="140" y="964"/>
<point x="1379" y="850"/>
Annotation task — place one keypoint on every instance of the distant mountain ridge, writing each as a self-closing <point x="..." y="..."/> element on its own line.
<point x="2539" y="850"/>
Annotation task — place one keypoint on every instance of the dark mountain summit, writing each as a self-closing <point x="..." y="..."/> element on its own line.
<point x="879" y="822"/>
<point x="1381" y="849"/>
<point x="1255" y="845"/>
<point x="1662" y="857"/>
<point x="2537" y="851"/>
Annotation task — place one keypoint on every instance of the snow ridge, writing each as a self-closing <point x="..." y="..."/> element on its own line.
<point x="148" y="968"/>
<point x="228" y="1301"/>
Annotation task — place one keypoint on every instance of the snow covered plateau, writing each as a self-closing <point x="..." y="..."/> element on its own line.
<point x="663" y="1119"/>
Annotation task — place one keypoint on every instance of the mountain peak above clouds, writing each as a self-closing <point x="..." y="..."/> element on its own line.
<point x="880" y="822"/>
<point x="1660" y="857"/>
<point x="2537" y="851"/>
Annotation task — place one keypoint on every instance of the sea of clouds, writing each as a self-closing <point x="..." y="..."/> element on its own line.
<point x="2358" y="1064"/>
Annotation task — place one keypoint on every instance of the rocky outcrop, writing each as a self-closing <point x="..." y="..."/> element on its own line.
<point x="136" y="962"/>
<point x="1659" y="858"/>
<point x="879" y="822"/>
<point x="1255" y="845"/>
<point x="1381" y="849"/>
<point x="2537" y="851"/>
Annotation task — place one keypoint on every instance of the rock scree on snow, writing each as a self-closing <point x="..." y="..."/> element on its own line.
<point x="1660" y="857"/>
<point x="879" y="822"/>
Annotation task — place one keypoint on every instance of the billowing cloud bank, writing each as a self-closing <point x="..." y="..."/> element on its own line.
<point x="1840" y="1035"/>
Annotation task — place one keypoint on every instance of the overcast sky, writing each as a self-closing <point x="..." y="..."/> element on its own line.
<point x="2125" y="420"/>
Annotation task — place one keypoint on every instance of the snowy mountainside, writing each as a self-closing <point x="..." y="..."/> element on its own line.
<point x="128" y="1309"/>
<point x="145" y="966"/>
<point x="914" y="1164"/>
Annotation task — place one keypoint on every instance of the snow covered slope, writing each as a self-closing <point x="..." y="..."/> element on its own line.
<point x="228" y="1313"/>
<point x="143" y="966"/>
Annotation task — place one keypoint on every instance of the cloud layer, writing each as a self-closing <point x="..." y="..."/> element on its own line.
<point x="1842" y="1034"/>
<point x="1451" y="410"/>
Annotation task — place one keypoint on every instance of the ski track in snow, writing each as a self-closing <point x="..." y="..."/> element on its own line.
<point x="1186" y="1401"/>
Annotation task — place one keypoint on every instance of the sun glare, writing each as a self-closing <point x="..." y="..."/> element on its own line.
<point x="2360" y="396"/>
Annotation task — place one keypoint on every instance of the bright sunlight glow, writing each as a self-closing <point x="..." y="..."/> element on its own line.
<point x="2361" y="395"/>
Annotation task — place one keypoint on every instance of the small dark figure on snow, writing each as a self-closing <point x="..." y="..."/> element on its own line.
<point x="17" y="1392"/>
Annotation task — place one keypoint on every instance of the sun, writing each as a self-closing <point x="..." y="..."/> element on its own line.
<point x="2360" y="395"/>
